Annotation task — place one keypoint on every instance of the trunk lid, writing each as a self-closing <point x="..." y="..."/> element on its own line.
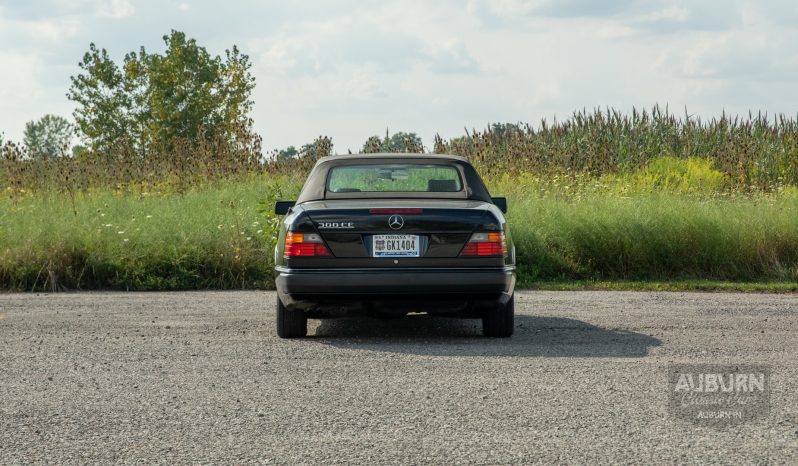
<point x="442" y="226"/>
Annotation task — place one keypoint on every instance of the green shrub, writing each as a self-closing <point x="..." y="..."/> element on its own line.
<point x="671" y="174"/>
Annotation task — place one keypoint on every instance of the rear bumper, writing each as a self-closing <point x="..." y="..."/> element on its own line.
<point x="303" y="284"/>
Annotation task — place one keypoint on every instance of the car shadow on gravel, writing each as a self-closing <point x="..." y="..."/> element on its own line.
<point x="534" y="336"/>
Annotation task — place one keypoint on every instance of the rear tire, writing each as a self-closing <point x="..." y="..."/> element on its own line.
<point x="291" y="323"/>
<point x="500" y="322"/>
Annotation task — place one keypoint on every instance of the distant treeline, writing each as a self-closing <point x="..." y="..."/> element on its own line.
<point x="756" y="151"/>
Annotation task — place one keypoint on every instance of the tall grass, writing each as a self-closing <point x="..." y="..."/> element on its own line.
<point x="222" y="235"/>
<point x="599" y="196"/>
<point x="215" y="237"/>
<point x="657" y="237"/>
<point x="756" y="150"/>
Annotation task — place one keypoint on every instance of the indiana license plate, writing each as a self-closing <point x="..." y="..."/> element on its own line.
<point x="394" y="245"/>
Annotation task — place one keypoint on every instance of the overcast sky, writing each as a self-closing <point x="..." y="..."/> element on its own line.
<point x="351" y="69"/>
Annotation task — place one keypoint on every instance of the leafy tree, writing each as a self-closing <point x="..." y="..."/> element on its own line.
<point x="288" y="153"/>
<point x="403" y="142"/>
<point x="373" y="145"/>
<point x="49" y="137"/>
<point x="155" y="99"/>
<point x="105" y="113"/>
<point x="398" y="142"/>
<point x="505" y="129"/>
<point x="320" y="147"/>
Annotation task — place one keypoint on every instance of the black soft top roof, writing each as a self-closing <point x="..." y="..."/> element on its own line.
<point x="316" y="184"/>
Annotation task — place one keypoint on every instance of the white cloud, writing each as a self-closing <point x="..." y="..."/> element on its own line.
<point x="38" y="30"/>
<point x="116" y="9"/>
<point x="17" y="81"/>
<point x="512" y="8"/>
<point x="672" y="13"/>
<point x="546" y="92"/>
<point x="55" y="30"/>
<point x="450" y="56"/>
<point x="614" y="30"/>
<point x="288" y="54"/>
<point x="23" y="97"/>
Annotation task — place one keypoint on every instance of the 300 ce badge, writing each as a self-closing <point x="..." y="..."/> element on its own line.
<point x="336" y="225"/>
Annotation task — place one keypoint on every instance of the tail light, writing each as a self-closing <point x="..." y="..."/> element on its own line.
<point x="489" y="244"/>
<point x="305" y="245"/>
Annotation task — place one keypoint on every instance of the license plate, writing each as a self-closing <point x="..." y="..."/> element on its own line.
<point x="395" y="245"/>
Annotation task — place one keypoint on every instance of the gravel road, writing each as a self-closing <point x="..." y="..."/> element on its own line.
<point x="202" y="377"/>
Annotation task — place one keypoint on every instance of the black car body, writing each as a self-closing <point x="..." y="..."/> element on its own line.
<point x="388" y="234"/>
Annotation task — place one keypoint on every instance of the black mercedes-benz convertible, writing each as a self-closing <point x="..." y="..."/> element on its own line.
<point x="391" y="234"/>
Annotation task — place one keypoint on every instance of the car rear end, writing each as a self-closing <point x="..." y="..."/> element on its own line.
<point x="438" y="251"/>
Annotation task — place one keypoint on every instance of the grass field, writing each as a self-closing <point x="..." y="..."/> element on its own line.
<point x="657" y="237"/>
<point x="570" y="231"/>
<point x="206" y="238"/>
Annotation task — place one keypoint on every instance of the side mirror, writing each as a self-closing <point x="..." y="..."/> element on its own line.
<point x="282" y="207"/>
<point x="501" y="203"/>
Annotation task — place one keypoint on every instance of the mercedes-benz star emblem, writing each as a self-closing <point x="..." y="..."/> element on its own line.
<point x="396" y="222"/>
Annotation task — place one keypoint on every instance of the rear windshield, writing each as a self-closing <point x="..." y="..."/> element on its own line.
<point x="393" y="178"/>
